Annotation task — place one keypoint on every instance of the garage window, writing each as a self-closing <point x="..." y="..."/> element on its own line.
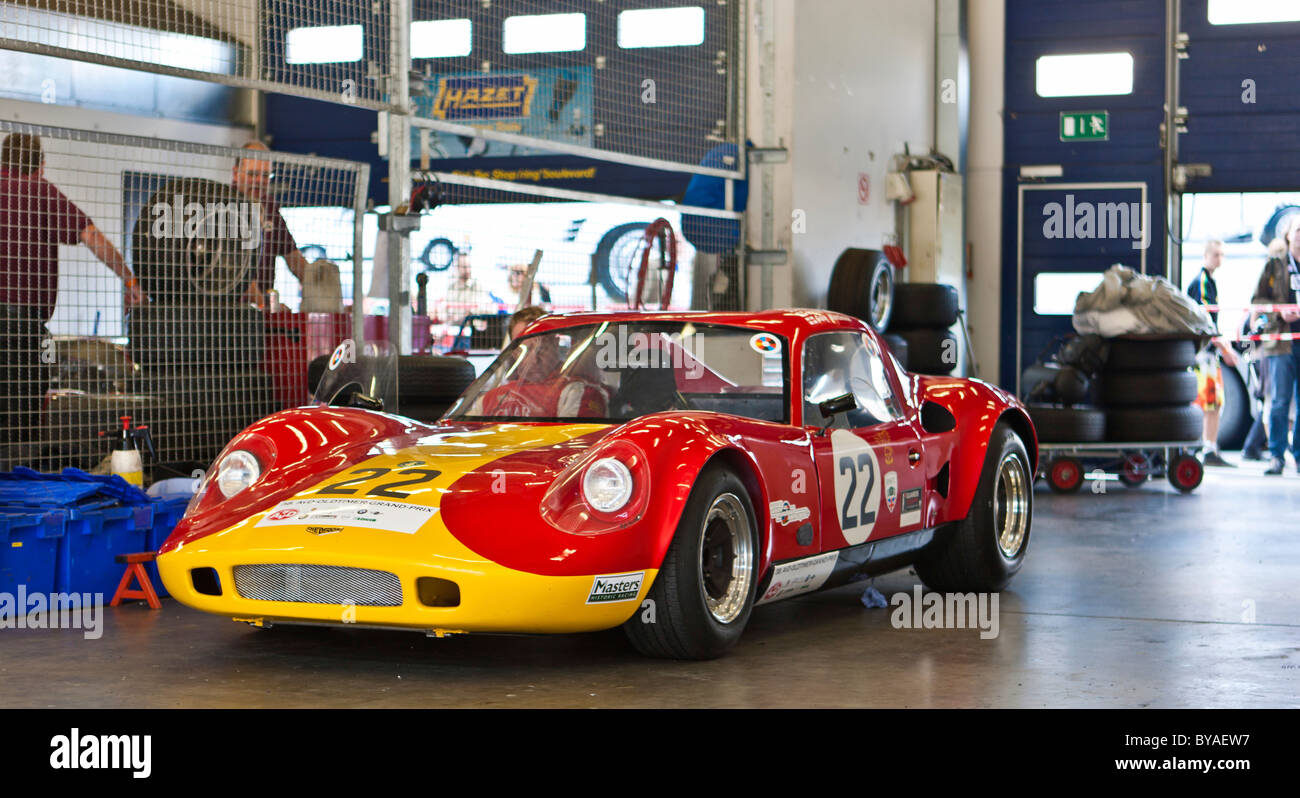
<point x="332" y="44"/>
<point x="1249" y="12"/>
<point x="442" y="38"/>
<point x="1054" y="294"/>
<point x="544" y="33"/>
<point x="661" y="27"/>
<point x="1084" y="74"/>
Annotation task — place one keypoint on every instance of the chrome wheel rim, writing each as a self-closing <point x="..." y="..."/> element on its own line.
<point x="882" y="298"/>
<point x="726" y="558"/>
<point x="1011" y="505"/>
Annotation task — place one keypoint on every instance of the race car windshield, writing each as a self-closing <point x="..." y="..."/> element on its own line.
<point x="618" y="371"/>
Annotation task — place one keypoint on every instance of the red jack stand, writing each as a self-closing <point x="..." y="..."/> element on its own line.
<point x="135" y="568"/>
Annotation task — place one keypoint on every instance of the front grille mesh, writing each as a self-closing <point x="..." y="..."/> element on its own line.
<point x="318" y="584"/>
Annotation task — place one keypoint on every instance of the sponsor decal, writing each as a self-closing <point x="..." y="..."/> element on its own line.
<point x="323" y="530"/>
<point x="785" y="513"/>
<point x="615" y="587"/>
<point x="911" y="507"/>
<point x="891" y="490"/>
<point x="388" y="516"/>
<point x="857" y="485"/>
<point x="800" y="576"/>
<point x="765" y="343"/>
<point x="484" y="97"/>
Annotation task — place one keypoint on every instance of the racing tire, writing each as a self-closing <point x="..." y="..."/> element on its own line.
<point x="1065" y="475"/>
<point x="1148" y="389"/>
<point x="1185" y="473"/>
<point x="1172" y="354"/>
<point x="1151" y="424"/>
<point x="983" y="551"/>
<point x="609" y="257"/>
<point x="432" y="379"/>
<point x="438" y="255"/>
<point x="862" y="286"/>
<point x="178" y="270"/>
<point x="922" y="305"/>
<point x="929" y="350"/>
<point x="1068" y="425"/>
<point x="699" y="610"/>
<point x="1236" y="418"/>
<point x="428" y="413"/>
<point x="898" y="345"/>
<point x="422" y="380"/>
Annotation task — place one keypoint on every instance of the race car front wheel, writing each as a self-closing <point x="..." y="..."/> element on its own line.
<point x="984" y="550"/>
<point x="701" y="600"/>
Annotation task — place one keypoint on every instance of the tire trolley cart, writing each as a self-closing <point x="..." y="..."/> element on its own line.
<point x="1065" y="466"/>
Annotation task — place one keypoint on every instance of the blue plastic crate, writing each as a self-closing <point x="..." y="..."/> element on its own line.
<point x="166" y="513"/>
<point x="93" y="538"/>
<point x="29" y="548"/>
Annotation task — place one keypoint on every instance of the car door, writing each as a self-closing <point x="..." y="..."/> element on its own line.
<point x="869" y="461"/>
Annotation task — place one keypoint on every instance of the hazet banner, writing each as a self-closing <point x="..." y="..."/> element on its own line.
<point x="553" y="104"/>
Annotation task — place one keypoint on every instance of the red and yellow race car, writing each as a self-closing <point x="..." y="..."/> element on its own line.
<point x="666" y="472"/>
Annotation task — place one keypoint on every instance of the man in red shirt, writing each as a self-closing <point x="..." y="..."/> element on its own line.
<point x="35" y="219"/>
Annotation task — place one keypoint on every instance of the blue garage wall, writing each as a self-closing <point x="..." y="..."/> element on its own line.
<point x="1031" y="125"/>
<point x="1251" y="146"/>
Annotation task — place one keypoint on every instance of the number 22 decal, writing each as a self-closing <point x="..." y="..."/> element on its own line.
<point x="386" y="490"/>
<point x="857" y="476"/>
<point x="864" y="516"/>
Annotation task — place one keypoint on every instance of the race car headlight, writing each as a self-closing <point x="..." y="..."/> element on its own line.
<point x="607" y="485"/>
<point x="238" y="471"/>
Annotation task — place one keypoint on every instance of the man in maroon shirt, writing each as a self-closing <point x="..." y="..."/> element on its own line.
<point x="35" y="219"/>
<point x="252" y="177"/>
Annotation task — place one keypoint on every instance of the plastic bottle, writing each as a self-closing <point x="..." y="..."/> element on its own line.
<point x="126" y="461"/>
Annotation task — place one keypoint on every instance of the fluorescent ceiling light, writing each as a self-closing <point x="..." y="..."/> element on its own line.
<point x="1084" y="75"/>
<point x="331" y="44"/>
<point x="442" y="38"/>
<point x="661" y="27"/>
<point x="1248" y="12"/>
<point x="545" y="33"/>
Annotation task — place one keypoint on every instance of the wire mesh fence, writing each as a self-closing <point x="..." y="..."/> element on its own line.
<point x="474" y="251"/>
<point x="630" y="80"/>
<point x="335" y="51"/>
<point x="186" y="286"/>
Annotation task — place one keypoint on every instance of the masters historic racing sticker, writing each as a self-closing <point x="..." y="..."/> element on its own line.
<point x="324" y="513"/>
<point x="615" y="587"/>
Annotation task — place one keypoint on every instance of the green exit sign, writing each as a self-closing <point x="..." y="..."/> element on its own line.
<point x="1085" y="125"/>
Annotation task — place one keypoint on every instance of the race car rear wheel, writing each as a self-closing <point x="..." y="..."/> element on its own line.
<point x="705" y="589"/>
<point x="984" y="550"/>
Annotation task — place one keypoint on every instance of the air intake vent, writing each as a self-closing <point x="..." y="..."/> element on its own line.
<point x="318" y="584"/>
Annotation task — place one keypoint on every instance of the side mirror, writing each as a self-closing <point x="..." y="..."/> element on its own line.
<point x="834" y="406"/>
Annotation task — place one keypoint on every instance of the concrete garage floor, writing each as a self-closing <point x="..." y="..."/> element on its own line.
<point x="1135" y="598"/>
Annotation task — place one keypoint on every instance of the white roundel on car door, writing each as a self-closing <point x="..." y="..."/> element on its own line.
<point x="857" y="485"/>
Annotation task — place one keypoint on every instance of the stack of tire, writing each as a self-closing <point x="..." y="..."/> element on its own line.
<point x="427" y="385"/>
<point x="912" y="318"/>
<point x="923" y="316"/>
<point x="1147" y="390"/>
